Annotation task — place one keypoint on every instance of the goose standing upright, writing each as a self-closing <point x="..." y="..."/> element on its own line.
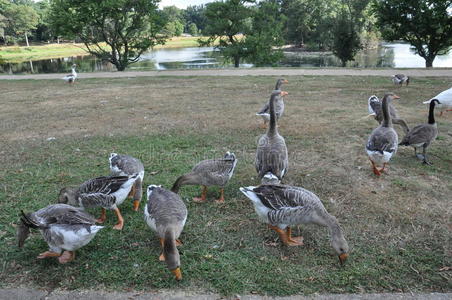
<point x="445" y="101"/>
<point x="279" y="105"/>
<point x="282" y="206"/>
<point x="63" y="227"/>
<point x="400" y="79"/>
<point x="375" y="109"/>
<point x="71" y="77"/>
<point x="422" y="135"/>
<point x="125" y="165"/>
<point x="106" y="192"/>
<point x="382" y="142"/>
<point x="271" y="154"/>
<point x="165" y="213"/>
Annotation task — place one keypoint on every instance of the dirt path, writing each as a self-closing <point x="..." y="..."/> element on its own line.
<point x="248" y="72"/>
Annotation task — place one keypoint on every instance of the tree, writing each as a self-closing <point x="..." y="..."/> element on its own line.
<point x="425" y="24"/>
<point x="195" y="15"/>
<point x="174" y="21"/>
<point x="192" y="29"/>
<point x="128" y="27"/>
<point x="20" y="19"/>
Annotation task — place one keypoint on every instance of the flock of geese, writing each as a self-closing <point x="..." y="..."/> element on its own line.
<point x="66" y="226"/>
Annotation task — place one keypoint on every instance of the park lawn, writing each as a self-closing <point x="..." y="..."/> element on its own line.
<point x="19" y="54"/>
<point x="397" y="225"/>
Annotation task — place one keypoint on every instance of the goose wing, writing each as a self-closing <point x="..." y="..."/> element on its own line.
<point x="61" y="214"/>
<point x="382" y="139"/>
<point x="265" y="109"/>
<point x="420" y="134"/>
<point x="103" y="185"/>
<point x="276" y="196"/>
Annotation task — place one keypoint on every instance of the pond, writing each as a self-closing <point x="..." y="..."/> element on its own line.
<point x="388" y="55"/>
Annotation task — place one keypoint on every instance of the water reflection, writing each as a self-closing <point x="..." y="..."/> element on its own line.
<point x="389" y="55"/>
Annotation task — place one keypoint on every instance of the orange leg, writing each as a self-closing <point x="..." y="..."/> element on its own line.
<point x="103" y="216"/>
<point x="120" y="223"/>
<point x="221" y="199"/>
<point x="132" y="191"/>
<point x="178" y="243"/>
<point x="136" y="205"/>
<point x="382" y="169"/>
<point x="161" y="257"/>
<point x="374" y="167"/>
<point x="66" y="257"/>
<point x="297" y="241"/>
<point x="283" y="236"/>
<point x="48" y="254"/>
<point x="203" y="195"/>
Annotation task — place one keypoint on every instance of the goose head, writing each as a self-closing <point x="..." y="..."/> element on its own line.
<point x="172" y="260"/>
<point x="229" y="156"/>
<point x="280" y="82"/>
<point x="151" y="189"/>
<point x="68" y="196"/>
<point x="390" y="96"/>
<point x="340" y="245"/>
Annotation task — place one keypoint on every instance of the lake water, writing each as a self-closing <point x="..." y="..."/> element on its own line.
<point x="391" y="55"/>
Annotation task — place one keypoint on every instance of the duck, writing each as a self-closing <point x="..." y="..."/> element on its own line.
<point x="422" y="135"/>
<point x="125" y="165"/>
<point x="71" y="77"/>
<point x="400" y="79"/>
<point x="107" y="192"/>
<point x="271" y="153"/>
<point x="445" y="101"/>
<point x="166" y="214"/>
<point x="374" y="107"/>
<point x="283" y="206"/>
<point x="62" y="226"/>
<point x="279" y="105"/>
<point x="382" y="142"/>
<point x="209" y="172"/>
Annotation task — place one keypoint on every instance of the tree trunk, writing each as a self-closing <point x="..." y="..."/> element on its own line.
<point x="429" y="61"/>
<point x="26" y="39"/>
<point x="236" y="61"/>
<point x="120" y="66"/>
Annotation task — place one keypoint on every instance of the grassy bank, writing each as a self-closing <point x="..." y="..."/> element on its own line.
<point x="17" y="54"/>
<point x="396" y="225"/>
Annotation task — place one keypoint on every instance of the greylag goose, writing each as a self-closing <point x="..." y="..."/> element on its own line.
<point x="374" y="107"/>
<point x="279" y="105"/>
<point x="282" y="206"/>
<point x="165" y="213"/>
<point x="107" y="192"/>
<point x="400" y="79"/>
<point x="71" y="77"/>
<point x="62" y="226"/>
<point x="445" y="101"/>
<point x="382" y="142"/>
<point x="125" y="165"/>
<point x="422" y="135"/>
<point x="207" y="173"/>
<point x="271" y="154"/>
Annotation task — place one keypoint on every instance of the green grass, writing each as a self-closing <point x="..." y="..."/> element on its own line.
<point x="396" y="225"/>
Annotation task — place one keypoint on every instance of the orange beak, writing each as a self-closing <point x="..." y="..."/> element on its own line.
<point x="283" y="93"/>
<point x="177" y="273"/>
<point x="286" y="81"/>
<point x="343" y="258"/>
<point x="396" y="97"/>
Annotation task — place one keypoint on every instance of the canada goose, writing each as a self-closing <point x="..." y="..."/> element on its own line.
<point x="207" y="173"/>
<point x="125" y="165"/>
<point x="106" y="192"/>
<point x="279" y="105"/>
<point x="445" y="101"/>
<point x="62" y="226"/>
<point x="374" y="107"/>
<point x="422" y="135"/>
<point x="165" y="213"/>
<point x="271" y="154"/>
<point x="382" y="142"/>
<point x="282" y="206"/>
<point x="71" y="77"/>
<point x="400" y="79"/>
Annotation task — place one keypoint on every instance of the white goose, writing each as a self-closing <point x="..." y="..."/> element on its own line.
<point x="445" y="99"/>
<point x="71" y="77"/>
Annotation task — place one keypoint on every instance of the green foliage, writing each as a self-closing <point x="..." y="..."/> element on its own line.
<point x="129" y="27"/>
<point x="18" y="20"/>
<point x="195" y="15"/>
<point x="346" y="41"/>
<point x="193" y="29"/>
<point x="425" y="24"/>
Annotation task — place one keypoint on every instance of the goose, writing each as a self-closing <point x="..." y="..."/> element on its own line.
<point x="125" y="165"/>
<point x="271" y="154"/>
<point x="62" y="226"/>
<point x="422" y="135"/>
<point x="283" y="206"/>
<point x="445" y="101"/>
<point x="165" y="213"/>
<point x="106" y="192"/>
<point x="71" y="77"/>
<point x="400" y="79"/>
<point x="279" y="105"/>
<point x="374" y="107"/>
<point x="207" y="173"/>
<point x="382" y="142"/>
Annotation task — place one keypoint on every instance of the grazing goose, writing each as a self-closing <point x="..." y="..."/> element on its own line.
<point x="271" y="154"/>
<point x="279" y="105"/>
<point x="382" y="143"/>
<point x="445" y="101"/>
<point x="282" y="206"/>
<point x="107" y="192"/>
<point x="71" y="77"/>
<point x="207" y="173"/>
<point x="400" y="79"/>
<point x="124" y="165"/>
<point x="374" y="107"/>
<point x="165" y="213"/>
<point x="422" y="135"/>
<point x="63" y="227"/>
